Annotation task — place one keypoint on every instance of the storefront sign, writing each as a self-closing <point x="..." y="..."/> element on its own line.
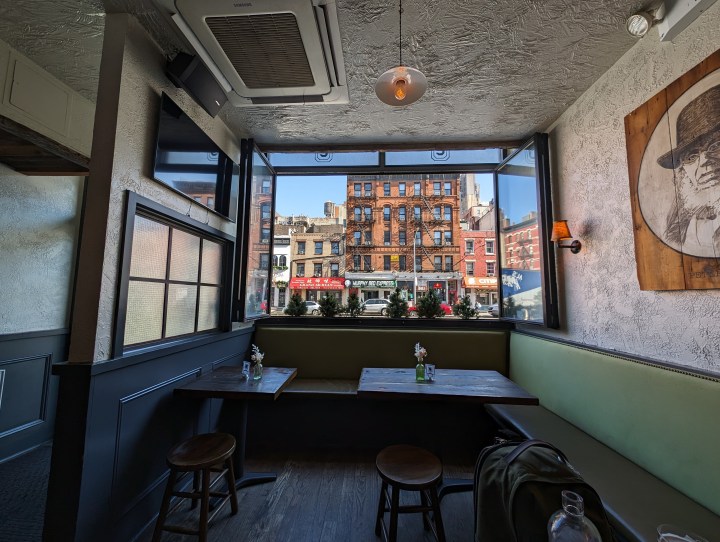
<point x="280" y="241"/>
<point x="484" y="283"/>
<point x="317" y="283"/>
<point x="363" y="283"/>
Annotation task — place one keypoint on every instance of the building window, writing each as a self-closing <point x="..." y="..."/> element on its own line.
<point x="275" y="261"/>
<point x="489" y="246"/>
<point x="317" y="269"/>
<point x="264" y="235"/>
<point x="490" y="269"/>
<point x="438" y="263"/>
<point x="318" y="247"/>
<point x="334" y="270"/>
<point x="367" y="263"/>
<point x="416" y="212"/>
<point x="448" y="213"/>
<point x="436" y="189"/>
<point x="402" y="237"/>
<point x="448" y="263"/>
<point x="386" y="213"/>
<point x="356" y="213"/>
<point x="448" y="237"/>
<point x="401" y="189"/>
<point x="211" y="203"/>
<point x="437" y="238"/>
<point x="401" y="213"/>
<point x="448" y="188"/>
<point x="356" y="262"/>
<point x="417" y="190"/>
<point x="470" y="269"/>
<point x="386" y="263"/>
<point x="436" y="213"/>
<point x="357" y="238"/>
<point x="265" y="211"/>
<point x="264" y="261"/>
<point x="418" y="238"/>
<point x="386" y="238"/>
<point x="368" y="190"/>
<point x="418" y="263"/>
<point x="402" y="263"/>
<point x="283" y="261"/>
<point x="266" y="186"/>
<point x="368" y="213"/>
<point x="301" y="247"/>
<point x="469" y="246"/>
<point x="357" y="190"/>
<point x="300" y="270"/>
<point x="386" y="189"/>
<point x="368" y="237"/>
<point x="335" y="247"/>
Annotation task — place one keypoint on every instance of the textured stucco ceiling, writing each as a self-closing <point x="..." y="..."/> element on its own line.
<point x="496" y="69"/>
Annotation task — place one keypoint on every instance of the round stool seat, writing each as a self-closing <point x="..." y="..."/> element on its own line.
<point x="408" y="467"/>
<point x="201" y="451"/>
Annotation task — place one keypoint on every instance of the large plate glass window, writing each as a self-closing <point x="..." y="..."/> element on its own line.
<point x="527" y="290"/>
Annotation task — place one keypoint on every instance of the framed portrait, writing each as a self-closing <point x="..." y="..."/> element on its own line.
<point x="673" y="149"/>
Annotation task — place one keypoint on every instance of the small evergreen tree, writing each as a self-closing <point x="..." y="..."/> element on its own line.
<point x="398" y="307"/>
<point x="354" y="307"/>
<point x="329" y="306"/>
<point x="296" y="306"/>
<point x="429" y="306"/>
<point x="464" y="308"/>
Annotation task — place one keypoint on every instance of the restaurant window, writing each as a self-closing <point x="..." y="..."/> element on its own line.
<point x="334" y="270"/>
<point x="402" y="237"/>
<point x="357" y="190"/>
<point x="367" y="263"/>
<point x="300" y="270"/>
<point x="490" y="269"/>
<point x="386" y="189"/>
<point x="264" y="261"/>
<point x="448" y="213"/>
<point x="174" y="282"/>
<point x="402" y="263"/>
<point x="401" y="213"/>
<point x="448" y="263"/>
<point x="356" y="262"/>
<point x="386" y="213"/>
<point x="448" y="237"/>
<point x="436" y="188"/>
<point x="318" y="247"/>
<point x="417" y="190"/>
<point x="416" y="212"/>
<point x="401" y="189"/>
<point x="357" y="213"/>
<point x="418" y="263"/>
<point x="438" y="263"/>
<point x="368" y="190"/>
<point x="470" y="268"/>
<point x="489" y="246"/>
<point x="437" y="213"/>
<point x="301" y="247"/>
<point x="386" y="263"/>
<point x="386" y="238"/>
<point x="357" y="238"/>
<point x="437" y="238"/>
<point x="448" y="189"/>
<point x="335" y="247"/>
<point x="469" y="246"/>
<point x="317" y="269"/>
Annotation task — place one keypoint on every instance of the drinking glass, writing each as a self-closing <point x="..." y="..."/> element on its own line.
<point x="673" y="533"/>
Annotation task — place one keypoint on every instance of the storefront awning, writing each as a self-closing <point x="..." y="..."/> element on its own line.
<point x="317" y="283"/>
<point x="481" y="283"/>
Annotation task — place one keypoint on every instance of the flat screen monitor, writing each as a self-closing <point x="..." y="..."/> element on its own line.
<point x="190" y="163"/>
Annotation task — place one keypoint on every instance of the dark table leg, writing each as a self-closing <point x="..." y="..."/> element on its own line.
<point x="454" y="485"/>
<point x="236" y="421"/>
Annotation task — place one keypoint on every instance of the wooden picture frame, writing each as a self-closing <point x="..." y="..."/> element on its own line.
<point x="674" y="170"/>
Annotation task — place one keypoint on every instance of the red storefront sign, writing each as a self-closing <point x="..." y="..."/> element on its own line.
<point x="317" y="283"/>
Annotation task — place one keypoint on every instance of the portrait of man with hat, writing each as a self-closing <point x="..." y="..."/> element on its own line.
<point x="694" y="218"/>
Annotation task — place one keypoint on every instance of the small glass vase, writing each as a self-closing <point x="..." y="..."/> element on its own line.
<point x="420" y="371"/>
<point x="257" y="371"/>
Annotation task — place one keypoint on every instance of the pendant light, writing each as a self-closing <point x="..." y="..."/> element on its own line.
<point x="401" y="85"/>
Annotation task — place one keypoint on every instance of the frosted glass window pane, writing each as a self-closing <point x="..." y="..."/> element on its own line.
<point x="143" y="321"/>
<point x="149" y="249"/>
<point x="211" y="262"/>
<point x="180" y="310"/>
<point x="185" y="256"/>
<point x="209" y="310"/>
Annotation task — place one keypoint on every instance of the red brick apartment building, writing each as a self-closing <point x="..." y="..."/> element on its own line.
<point x="479" y="265"/>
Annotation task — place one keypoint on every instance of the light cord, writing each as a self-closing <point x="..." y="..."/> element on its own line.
<point x="401" y="12"/>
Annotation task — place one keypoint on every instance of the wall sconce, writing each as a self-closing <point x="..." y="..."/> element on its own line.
<point x="640" y="23"/>
<point x="561" y="232"/>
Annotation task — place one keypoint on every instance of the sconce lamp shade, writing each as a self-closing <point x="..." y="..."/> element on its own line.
<point x="639" y="24"/>
<point x="401" y="85"/>
<point x="560" y="231"/>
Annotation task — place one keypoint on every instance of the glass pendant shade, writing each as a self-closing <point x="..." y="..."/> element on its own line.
<point x="401" y="85"/>
<point x="639" y="24"/>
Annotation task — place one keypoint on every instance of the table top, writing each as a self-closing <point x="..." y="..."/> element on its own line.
<point x="449" y="384"/>
<point x="228" y="383"/>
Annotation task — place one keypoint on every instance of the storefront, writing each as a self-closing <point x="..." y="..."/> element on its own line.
<point x="313" y="288"/>
<point x="481" y="290"/>
<point x="371" y="288"/>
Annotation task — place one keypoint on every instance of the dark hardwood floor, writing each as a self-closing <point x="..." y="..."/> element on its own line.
<point x="329" y="496"/>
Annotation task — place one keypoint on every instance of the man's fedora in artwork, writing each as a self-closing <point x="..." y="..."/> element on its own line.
<point x="697" y="124"/>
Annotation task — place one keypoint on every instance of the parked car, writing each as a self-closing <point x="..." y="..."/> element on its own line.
<point x="494" y="310"/>
<point x="313" y="307"/>
<point x="447" y="309"/>
<point x="482" y="310"/>
<point x="376" y="306"/>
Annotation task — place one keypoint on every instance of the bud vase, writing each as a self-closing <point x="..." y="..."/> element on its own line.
<point x="257" y="371"/>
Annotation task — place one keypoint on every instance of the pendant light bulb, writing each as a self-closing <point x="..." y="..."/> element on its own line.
<point x="400" y="93"/>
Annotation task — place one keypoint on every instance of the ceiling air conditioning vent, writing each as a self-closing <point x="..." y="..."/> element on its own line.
<point x="268" y="52"/>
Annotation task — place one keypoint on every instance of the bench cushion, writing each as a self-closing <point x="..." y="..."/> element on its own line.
<point x="636" y="501"/>
<point x="664" y="420"/>
<point x="329" y="352"/>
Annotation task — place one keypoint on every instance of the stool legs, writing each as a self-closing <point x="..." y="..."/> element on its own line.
<point x="390" y="502"/>
<point x="230" y="477"/>
<point x="381" y="508"/>
<point x="165" y="505"/>
<point x="394" y="508"/>
<point x="437" y="517"/>
<point x="204" y="505"/>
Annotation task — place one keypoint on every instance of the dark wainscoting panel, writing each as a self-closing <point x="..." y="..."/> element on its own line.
<point x="28" y="391"/>
<point x="131" y="420"/>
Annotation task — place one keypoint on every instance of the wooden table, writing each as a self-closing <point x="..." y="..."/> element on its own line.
<point x="448" y="385"/>
<point x="229" y="383"/>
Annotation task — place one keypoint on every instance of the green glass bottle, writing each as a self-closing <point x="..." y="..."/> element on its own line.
<point x="420" y="371"/>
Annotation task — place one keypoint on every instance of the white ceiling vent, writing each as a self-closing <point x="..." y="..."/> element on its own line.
<point x="268" y="52"/>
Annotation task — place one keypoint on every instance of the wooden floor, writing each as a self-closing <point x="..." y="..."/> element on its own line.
<point x="329" y="497"/>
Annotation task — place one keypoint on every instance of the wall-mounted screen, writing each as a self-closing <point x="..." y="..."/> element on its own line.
<point x="190" y="163"/>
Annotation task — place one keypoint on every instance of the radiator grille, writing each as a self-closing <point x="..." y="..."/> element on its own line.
<point x="266" y="50"/>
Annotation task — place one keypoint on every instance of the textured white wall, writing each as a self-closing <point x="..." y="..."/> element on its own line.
<point x="601" y="302"/>
<point x="39" y="221"/>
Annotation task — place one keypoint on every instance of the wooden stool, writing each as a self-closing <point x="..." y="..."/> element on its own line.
<point x="201" y="455"/>
<point x="412" y="469"/>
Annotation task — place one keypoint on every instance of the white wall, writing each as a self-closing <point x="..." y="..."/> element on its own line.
<point x="601" y="302"/>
